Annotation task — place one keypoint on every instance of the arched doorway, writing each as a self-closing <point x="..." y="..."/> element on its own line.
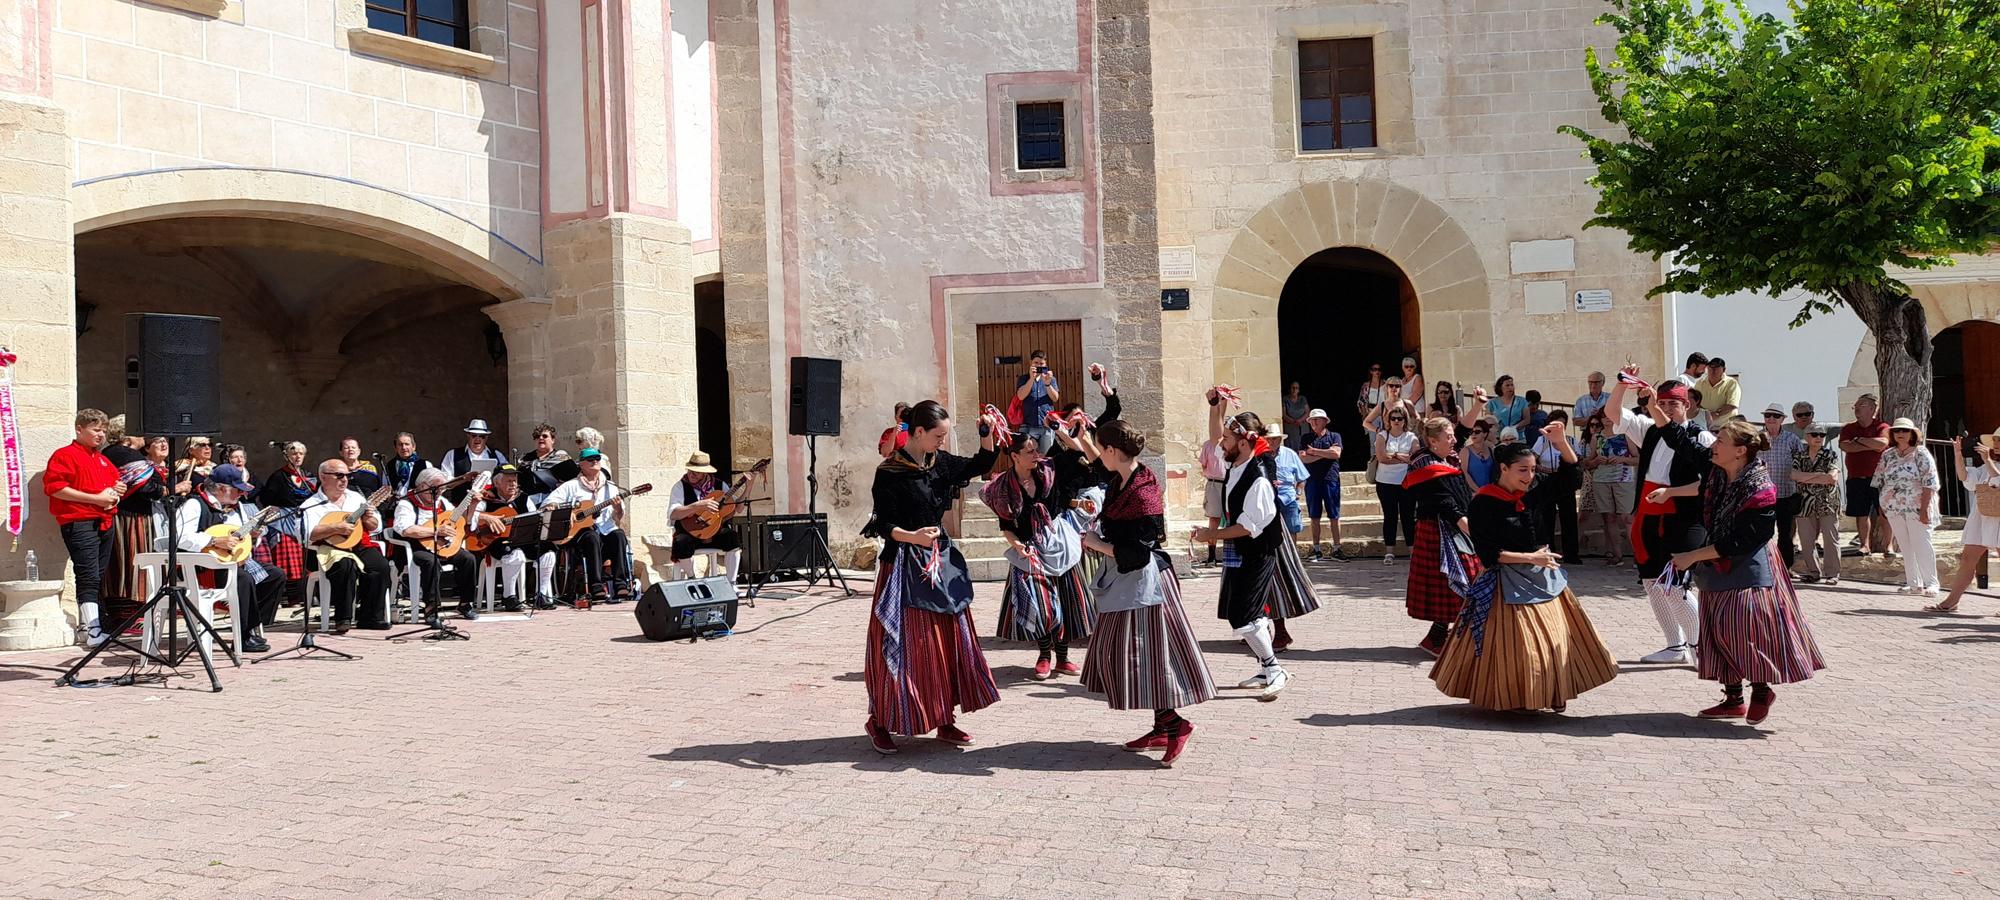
<point x="711" y="377"/>
<point x="1965" y="373"/>
<point x="326" y="333"/>
<point x="1341" y="311"/>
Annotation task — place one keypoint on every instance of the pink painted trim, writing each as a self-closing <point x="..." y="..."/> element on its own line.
<point x="996" y="135"/>
<point x="628" y="167"/>
<point x="605" y="97"/>
<point x="788" y="236"/>
<point x="714" y="136"/>
<point x="37" y="75"/>
<point x="706" y="244"/>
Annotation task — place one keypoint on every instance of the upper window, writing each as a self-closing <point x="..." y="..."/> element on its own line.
<point x="438" y="21"/>
<point x="1337" y="94"/>
<point x="1038" y="136"/>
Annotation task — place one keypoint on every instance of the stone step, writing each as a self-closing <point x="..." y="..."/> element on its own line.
<point x="977" y="524"/>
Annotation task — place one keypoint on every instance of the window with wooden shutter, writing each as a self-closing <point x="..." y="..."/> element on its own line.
<point x="1337" y="94"/>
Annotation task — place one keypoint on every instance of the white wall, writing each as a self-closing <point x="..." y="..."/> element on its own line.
<point x="1777" y="364"/>
<point x="694" y="125"/>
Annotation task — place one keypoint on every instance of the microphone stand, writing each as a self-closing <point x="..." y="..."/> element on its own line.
<point x="306" y="644"/>
<point x="175" y="596"/>
<point x="434" y="628"/>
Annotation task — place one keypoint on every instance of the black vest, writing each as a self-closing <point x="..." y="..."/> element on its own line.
<point x="1687" y="468"/>
<point x="1266" y="542"/>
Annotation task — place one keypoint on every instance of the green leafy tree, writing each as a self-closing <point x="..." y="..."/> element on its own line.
<point x="1762" y="154"/>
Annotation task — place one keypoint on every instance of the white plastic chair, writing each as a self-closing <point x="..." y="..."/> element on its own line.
<point x="413" y="577"/>
<point x="154" y="566"/>
<point x="490" y="586"/>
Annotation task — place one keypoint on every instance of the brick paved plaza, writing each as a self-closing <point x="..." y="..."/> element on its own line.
<point x="567" y="757"/>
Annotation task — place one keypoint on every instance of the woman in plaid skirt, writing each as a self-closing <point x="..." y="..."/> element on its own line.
<point x="1443" y="495"/>
<point x="1043" y="600"/>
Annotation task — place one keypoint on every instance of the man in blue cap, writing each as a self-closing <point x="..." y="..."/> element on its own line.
<point x="219" y="502"/>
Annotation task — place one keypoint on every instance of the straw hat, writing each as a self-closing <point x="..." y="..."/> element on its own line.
<point x="699" y="462"/>
<point x="1904" y="424"/>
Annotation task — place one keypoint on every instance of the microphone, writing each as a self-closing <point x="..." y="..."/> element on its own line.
<point x="280" y="445"/>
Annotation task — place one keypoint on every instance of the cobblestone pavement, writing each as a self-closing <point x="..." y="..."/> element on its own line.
<point x="567" y="757"/>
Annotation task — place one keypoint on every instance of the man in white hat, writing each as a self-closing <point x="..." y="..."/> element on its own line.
<point x="688" y="499"/>
<point x="460" y="461"/>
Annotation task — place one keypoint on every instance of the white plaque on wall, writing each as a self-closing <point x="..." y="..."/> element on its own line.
<point x="1593" y="301"/>
<point x="1176" y="264"/>
<point x="1545" y="298"/>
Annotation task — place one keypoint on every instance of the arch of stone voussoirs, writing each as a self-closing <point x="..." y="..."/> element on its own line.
<point x="470" y="252"/>
<point x="1416" y="234"/>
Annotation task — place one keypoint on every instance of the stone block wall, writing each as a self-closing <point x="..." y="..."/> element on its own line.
<point x="276" y="85"/>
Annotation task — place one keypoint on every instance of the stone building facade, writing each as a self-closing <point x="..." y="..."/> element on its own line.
<point x="633" y="216"/>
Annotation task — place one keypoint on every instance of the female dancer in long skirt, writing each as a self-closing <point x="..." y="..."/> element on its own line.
<point x="1044" y="598"/>
<point x="1144" y="655"/>
<point x="1522" y="642"/>
<point x="1751" y="626"/>
<point x="1443" y="495"/>
<point x="923" y="656"/>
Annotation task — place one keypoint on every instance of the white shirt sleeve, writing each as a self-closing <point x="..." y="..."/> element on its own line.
<point x="444" y="464"/>
<point x="1633" y="426"/>
<point x="677" y="498"/>
<point x="320" y="509"/>
<point x="188" y="520"/>
<point x="1260" y="506"/>
<point x="406" y="516"/>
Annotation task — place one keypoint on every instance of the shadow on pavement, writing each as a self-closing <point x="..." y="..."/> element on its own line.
<point x="1472" y="718"/>
<point x="1904" y="614"/>
<point x="1404" y="655"/>
<point x="923" y="754"/>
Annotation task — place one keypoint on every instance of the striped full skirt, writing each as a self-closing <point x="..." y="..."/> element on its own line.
<point x="1035" y="605"/>
<point x="1534" y="656"/>
<point x="937" y="666"/>
<point x="1756" y="635"/>
<point x="1148" y="658"/>
<point x="1294" y="597"/>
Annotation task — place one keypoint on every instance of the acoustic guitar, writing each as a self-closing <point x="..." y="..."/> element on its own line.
<point x="704" y="525"/>
<point x="354" y="521"/>
<point x="448" y="531"/>
<point x="585" y="517"/>
<point x="482" y="538"/>
<point x="244" y="542"/>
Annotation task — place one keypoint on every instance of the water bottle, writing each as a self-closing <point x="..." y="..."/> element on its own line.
<point x="34" y="571"/>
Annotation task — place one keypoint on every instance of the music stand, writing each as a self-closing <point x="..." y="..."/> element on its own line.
<point x="175" y="596"/>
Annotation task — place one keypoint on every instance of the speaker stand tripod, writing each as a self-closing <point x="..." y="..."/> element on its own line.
<point x="822" y="555"/>
<point x="174" y="596"/>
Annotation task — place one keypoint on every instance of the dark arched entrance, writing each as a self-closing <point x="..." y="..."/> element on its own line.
<point x="1965" y="373"/>
<point x="711" y="376"/>
<point x="1342" y="311"/>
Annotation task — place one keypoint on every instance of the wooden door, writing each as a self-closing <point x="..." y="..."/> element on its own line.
<point x="1981" y="355"/>
<point x="1003" y="359"/>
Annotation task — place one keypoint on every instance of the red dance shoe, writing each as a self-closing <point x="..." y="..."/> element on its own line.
<point x="1729" y="708"/>
<point x="1434" y="648"/>
<point x="950" y="734"/>
<point x="879" y="736"/>
<point x="1042" y="667"/>
<point x="1177" y="741"/>
<point x="1068" y="668"/>
<point x="1151" y="740"/>
<point x="1760" y="706"/>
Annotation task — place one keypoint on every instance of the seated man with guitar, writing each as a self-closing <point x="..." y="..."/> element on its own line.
<point x="436" y="534"/>
<point x="595" y="505"/>
<point x="340" y="526"/>
<point x="218" y="523"/>
<point x="701" y="510"/>
<point x="501" y="506"/>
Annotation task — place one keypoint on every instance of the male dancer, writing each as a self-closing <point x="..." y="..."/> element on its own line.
<point x="1250" y="556"/>
<point x="1660" y="530"/>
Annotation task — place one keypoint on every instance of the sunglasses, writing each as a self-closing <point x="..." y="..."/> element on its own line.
<point x="200" y="444"/>
<point x="333" y="474"/>
<point x="1374" y="368"/>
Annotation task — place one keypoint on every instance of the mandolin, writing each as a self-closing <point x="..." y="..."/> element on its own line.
<point x="704" y="525"/>
<point x="256" y="528"/>
<point x="482" y="538"/>
<point x="355" y="521"/>
<point x="585" y="517"/>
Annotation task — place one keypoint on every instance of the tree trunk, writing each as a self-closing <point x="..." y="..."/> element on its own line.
<point x="1902" y="349"/>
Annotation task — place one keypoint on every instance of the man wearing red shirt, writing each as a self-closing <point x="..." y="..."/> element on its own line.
<point x="84" y="489"/>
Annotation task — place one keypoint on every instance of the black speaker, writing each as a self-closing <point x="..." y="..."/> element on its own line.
<point x="815" y="395"/>
<point x="695" y="607"/>
<point x="780" y="543"/>
<point x="173" y="374"/>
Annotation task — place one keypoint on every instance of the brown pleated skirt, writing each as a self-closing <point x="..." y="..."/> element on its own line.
<point x="1536" y="656"/>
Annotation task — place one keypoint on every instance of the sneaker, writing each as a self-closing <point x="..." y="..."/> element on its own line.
<point x="94" y="638"/>
<point x="1388" y="559"/>
<point x="1729" y="708"/>
<point x="1255" y="681"/>
<point x="512" y="604"/>
<point x="1068" y="668"/>
<point x="1929" y="593"/>
<point x="1760" y="706"/>
<point x="1177" y="741"/>
<point x="468" y="612"/>
<point x="1676" y="654"/>
<point x="1042" y="667"/>
<point x="950" y="734"/>
<point x="1832" y="582"/>
<point x="1151" y="740"/>
<point x="1341" y="555"/>
<point x="1434" y="648"/>
<point x="1313" y="556"/>
<point x="1276" y="678"/>
<point x="879" y="737"/>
